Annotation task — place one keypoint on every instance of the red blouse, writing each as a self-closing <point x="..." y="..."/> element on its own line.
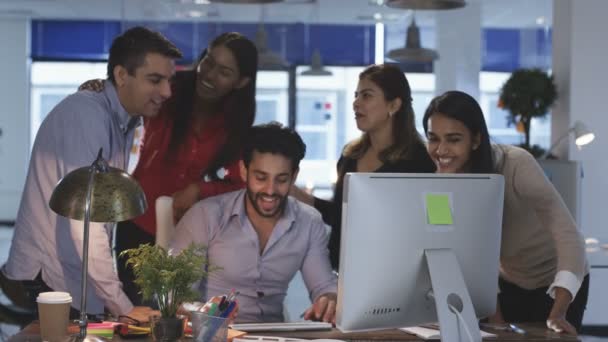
<point x="162" y="174"/>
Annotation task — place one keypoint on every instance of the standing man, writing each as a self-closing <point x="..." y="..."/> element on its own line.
<point x="259" y="237"/>
<point x="46" y="250"/>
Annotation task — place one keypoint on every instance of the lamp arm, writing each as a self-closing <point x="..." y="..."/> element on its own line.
<point x="556" y="143"/>
<point x="85" y="252"/>
<point x="101" y="164"/>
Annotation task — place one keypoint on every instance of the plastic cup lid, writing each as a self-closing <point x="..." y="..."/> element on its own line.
<point x="54" y="297"/>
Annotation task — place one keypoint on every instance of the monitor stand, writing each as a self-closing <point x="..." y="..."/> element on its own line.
<point x="449" y="289"/>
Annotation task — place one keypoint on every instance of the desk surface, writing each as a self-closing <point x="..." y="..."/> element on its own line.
<point x="534" y="332"/>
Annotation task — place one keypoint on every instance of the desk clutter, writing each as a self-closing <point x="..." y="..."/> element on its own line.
<point x="531" y="331"/>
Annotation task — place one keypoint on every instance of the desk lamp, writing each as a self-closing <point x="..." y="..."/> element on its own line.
<point x="97" y="193"/>
<point x="582" y="137"/>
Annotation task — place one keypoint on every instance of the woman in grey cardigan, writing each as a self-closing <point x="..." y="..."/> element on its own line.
<point x="544" y="275"/>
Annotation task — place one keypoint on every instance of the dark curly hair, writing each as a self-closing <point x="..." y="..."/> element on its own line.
<point x="276" y="139"/>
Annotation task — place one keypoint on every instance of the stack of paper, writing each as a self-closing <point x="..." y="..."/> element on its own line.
<point x="433" y="334"/>
<point x="288" y="326"/>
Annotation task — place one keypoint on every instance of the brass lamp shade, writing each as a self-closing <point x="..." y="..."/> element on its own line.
<point x="98" y="193"/>
<point x="115" y="196"/>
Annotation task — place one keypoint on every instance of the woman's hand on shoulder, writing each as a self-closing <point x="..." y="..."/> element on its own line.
<point x="301" y="195"/>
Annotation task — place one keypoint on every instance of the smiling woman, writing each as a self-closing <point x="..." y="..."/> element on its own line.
<point x="544" y="275"/>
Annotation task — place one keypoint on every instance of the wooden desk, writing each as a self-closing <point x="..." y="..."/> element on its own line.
<point x="534" y="332"/>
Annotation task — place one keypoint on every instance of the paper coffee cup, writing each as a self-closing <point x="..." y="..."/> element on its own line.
<point x="54" y="315"/>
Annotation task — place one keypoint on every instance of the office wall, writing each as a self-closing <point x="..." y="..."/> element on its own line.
<point x="579" y="65"/>
<point x="581" y="72"/>
<point x="14" y="111"/>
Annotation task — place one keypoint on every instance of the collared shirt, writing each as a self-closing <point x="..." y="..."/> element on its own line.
<point x="298" y="242"/>
<point x="69" y="138"/>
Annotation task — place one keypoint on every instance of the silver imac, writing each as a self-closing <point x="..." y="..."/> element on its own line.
<point x="419" y="248"/>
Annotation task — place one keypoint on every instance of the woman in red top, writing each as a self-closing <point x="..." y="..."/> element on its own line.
<point x="191" y="150"/>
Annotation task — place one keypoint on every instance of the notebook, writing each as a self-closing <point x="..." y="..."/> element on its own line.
<point x="293" y="326"/>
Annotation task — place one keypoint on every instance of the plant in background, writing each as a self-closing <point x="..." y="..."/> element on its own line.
<point x="166" y="278"/>
<point x="527" y="94"/>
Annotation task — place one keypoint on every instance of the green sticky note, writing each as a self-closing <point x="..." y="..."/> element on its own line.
<point x="438" y="209"/>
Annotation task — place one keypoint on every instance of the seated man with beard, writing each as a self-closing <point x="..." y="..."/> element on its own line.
<point x="259" y="237"/>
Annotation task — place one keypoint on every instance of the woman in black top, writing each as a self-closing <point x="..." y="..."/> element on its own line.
<point x="389" y="143"/>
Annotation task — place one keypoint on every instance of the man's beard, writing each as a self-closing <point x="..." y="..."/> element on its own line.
<point x="253" y="197"/>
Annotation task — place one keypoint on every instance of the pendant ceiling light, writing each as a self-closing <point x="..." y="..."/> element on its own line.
<point x="413" y="51"/>
<point x="247" y="2"/>
<point x="316" y="66"/>
<point x="316" y="62"/>
<point x="267" y="59"/>
<point x="426" y="4"/>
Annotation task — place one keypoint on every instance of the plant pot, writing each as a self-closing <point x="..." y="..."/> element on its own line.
<point x="166" y="329"/>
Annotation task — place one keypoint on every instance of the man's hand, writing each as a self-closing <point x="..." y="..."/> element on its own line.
<point x="183" y="200"/>
<point x="557" y="317"/>
<point x="95" y="85"/>
<point x="323" y="309"/>
<point x="142" y="313"/>
<point x="497" y="317"/>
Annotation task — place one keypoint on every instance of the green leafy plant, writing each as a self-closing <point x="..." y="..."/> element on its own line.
<point x="166" y="278"/>
<point x="528" y="93"/>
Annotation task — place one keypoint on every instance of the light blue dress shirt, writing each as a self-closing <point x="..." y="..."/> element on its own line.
<point x="70" y="138"/>
<point x="297" y="242"/>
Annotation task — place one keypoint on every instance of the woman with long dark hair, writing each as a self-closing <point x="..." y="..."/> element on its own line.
<point x="544" y="275"/>
<point x="389" y="143"/>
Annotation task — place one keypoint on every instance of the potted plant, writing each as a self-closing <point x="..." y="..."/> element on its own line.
<point x="528" y="93"/>
<point x="167" y="279"/>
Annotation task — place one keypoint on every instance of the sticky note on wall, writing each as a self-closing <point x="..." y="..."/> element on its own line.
<point x="438" y="210"/>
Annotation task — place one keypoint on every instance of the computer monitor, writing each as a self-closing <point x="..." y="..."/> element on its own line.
<point x="399" y="229"/>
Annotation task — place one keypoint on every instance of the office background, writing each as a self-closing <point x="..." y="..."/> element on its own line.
<point x="478" y="46"/>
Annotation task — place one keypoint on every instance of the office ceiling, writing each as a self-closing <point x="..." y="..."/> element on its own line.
<point x="495" y="13"/>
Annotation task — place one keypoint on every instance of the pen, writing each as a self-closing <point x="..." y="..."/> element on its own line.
<point x="228" y="310"/>
<point x="212" y="309"/>
<point x="223" y="303"/>
<point x="233" y="296"/>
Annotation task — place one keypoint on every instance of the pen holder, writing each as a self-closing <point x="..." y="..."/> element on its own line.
<point x="207" y="328"/>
